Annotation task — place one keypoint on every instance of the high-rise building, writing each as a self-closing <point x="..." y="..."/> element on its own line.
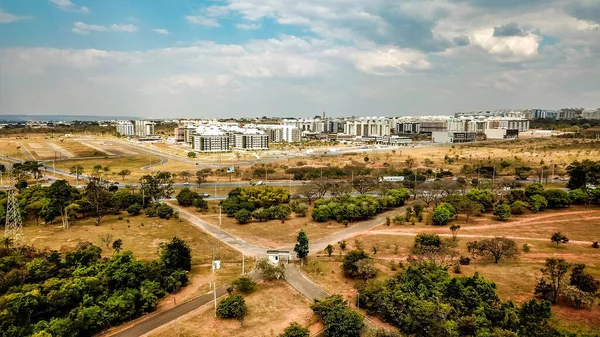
<point x="144" y="128"/>
<point x="125" y="128"/>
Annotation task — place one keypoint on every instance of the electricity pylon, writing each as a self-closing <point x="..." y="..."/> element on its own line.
<point x="14" y="226"/>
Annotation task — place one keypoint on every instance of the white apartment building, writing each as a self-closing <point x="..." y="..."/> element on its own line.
<point x="251" y="142"/>
<point x="282" y="133"/>
<point x="207" y="143"/>
<point x="144" y="128"/>
<point x="591" y="114"/>
<point x="368" y="126"/>
<point x="125" y="128"/>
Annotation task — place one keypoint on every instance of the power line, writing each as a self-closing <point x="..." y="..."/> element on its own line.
<point x="14" y="226"/>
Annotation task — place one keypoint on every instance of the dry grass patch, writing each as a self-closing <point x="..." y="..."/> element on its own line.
<point x="271" y="308"/>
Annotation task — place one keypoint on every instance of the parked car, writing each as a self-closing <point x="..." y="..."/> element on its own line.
<point x="204" y="195"/>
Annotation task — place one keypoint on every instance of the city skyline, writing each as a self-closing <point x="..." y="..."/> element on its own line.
<point x="248" y="58"/>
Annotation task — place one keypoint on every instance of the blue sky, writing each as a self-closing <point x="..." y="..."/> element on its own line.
<point x="296" y="58"/>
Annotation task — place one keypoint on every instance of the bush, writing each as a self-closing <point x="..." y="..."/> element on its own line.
<point x="578" y="197"/>
<point x="200" y="203"/>
<point x="350" y="260"/>
<point x="164" y="211"/>
<point x="186" y="197"/>
<point x="457" y="269"/>
<point x="595" y="244"/>
<point x="299" y="207"/>
<point x="442" y="215"/>
<point x="464" y="260"/>
<point x="534" y="189"/>
<point x="243" y="216"/>
<point x="538" y="203"/>
<point x="502" y="211"/>
<point x="518" y="207"/>
<point x="134" y="209"/>
<point x="339" y="319"/>
<point x="232" y="306"/>
<point x="321" y="213"/>
<point x="483" y="197"/>
<point x="526" y="248"/>
<point x="556" y="198"/>
<point x="295" y="330"/>
<point x="244" y="285"/>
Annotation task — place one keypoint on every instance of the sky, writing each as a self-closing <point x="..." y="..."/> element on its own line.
<point x="296" y="58"/>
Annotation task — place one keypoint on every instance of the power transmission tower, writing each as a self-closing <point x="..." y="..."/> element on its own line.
<point x="14" y="225"/>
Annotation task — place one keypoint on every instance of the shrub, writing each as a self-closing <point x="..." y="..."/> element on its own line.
<point x="244" y="285"/>
<point x="538" y="203"/>
<point x="464" y="260"/>
<point x="186" y="197"/>
<point x="295" y="330"/>
<point x="578" y="197"/>
<point x="556" y="198"/>
<point x="534" y="189"/>
<point x="502" y="211"/>
<point x="518" y="207"/>
<point x="164" y="211"/>
<point x="299" y="207"/>
<point x="526" y="248"/>
<point x="243" y="216"/>
<point x="339" y="319"/>
<point x="200" y="203"/>
<point x="442" y="215"/>
<point x="457" y="269"/>
<point x="350" y="260"/>
<point x="134" y="209"/>
<point x="321" y="213"/>
<point x="232" y="306"/>
<point x="595" y="244"/>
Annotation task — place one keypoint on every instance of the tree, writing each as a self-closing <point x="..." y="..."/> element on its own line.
<point x="117" y="245"/>
<point x="202" y="175"/>
<point x="185" y="176"/>
<point x="106" y="239"/>
<point x="454" y="229"/>
<point x="243" y="216"/>
<point x="186" y="197"/>
<point x="555" y="271"/>
<point x="577" y="296"/>
<point x="342" y="245"/>
<point x="339" y="319"/>
<point x="269" y="271"/>
<point x="502" y="211"/>
<point x="538" y="203"/>
<point x="430" y="248"/>
<point x="429" y="192"/>
<point x="582" y="173"/>
<point x="308" y="191"/>
<point x="299" y="207"/>
<point x="98" y="198"/>
<point x="134" y="209"/>
<point x="578" y="197"/>
<point x="518" y="207"/>
<point x="483" y="197"/>
<point x="157" y="186"/>
<point x="280" y="212"/>
<point x="232" y="306"/>
<point x="176" y="254"/>
<point x="301" y="247"/>
<point x="556" y="198"/>
<point x="349" y="263"/>
<point x="583" y="280"/>
<point x="366" y="269"/>
<point x="200" y="203"/>
<point x="463" y="205"/>
<point x="191" y="154"/>
<point x="442" y="215"/>
<point x="124" y="173"/>
<point x="7" y="242"/>
<point x="295" y="330"/>
<point x="495" y="248"/>
<point x="534" y="189"/>
<point x="329" y="250"/>
<point x="244" y="285"/>
<point x="559" y="238"/>
<point x="62" y="194"/>
<point x="364" y="185"/>
<point x="77" y="170"/>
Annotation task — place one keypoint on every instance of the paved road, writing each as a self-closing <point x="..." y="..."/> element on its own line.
<point x="302" y="284"/>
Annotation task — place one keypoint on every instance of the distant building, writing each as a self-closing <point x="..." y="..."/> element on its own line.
<point x="207" y="143"/>
<point x="591" y="114"/>
<point x="125" y="128"/>
<point x="449" y="137"/>
<point x="542" y="114"/>
<point x="144" y="128"/>
<point x="569" y="113"/>
<point x="251" y="142"/>
<point x="430" y="126"/>
<point x="410" y="128"/>
<point x="501" y="133"/>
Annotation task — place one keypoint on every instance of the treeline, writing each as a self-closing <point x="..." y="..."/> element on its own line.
<point x="79" y="293"/>
<point x="261" y="203"/>
<point x="97" y="199"/>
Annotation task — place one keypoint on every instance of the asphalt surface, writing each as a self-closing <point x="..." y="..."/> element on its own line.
<point x="302" y="284"/>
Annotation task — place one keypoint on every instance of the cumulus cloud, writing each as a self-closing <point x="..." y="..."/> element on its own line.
<point x="6" y="17"/>
<point x="202" y="21"/>
<point x="247" y="26"/>
<point x="389" y="62"/>
<point x="507" y="48"/>
<point x="68" y="6"/>
<point x="161" y="31"/>
<point x="208" y="16"/>
<point x="509" y="29"/>
<point x="461" y="40"/>
<point x="83" y="28"/>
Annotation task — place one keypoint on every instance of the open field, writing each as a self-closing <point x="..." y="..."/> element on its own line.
<point x="271" y="308"/>
<point x="515" y="279"/>
<point x="133" y="164"/>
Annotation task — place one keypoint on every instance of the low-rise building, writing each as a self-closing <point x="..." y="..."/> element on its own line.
<point x="449" y="137"/>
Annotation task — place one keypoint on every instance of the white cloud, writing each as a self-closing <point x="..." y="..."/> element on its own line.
<point x="68" y="6"/>
<point x="248" y="26"/>
<point x="6" y="17"/>
<point x="216" y="11"/>
<point x="388" y="62"/>
<point x="83" y="28"/>
<point x="161" y="31"/>
<point x="202" y="21"/>
<point x="507" y="48"/>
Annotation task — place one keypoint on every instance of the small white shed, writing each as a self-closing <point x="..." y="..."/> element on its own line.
<point x="279" y="256"/>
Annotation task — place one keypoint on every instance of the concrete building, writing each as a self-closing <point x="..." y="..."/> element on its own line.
<point x="251" y="142"/>
<point x="501" y="133"/>
<point x="449" y="137"/>
<point x="179" y="134"/>
<point x="591" y="114"/>
<point x="368" y="126"/>
<point x="569" y="113"/>
<point x="542" y="114"/>
<point x="125" y="128"/>
<point x="409" y="128"/>
<point x="282" y="133"/>
<point x="430" y="126"/>
<point x="211" y="140"/>
<point x="144" y="128"/>
<point x="279" y="256"/>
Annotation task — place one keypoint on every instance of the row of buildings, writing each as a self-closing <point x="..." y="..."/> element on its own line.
<point x="141" y="128"/>
<point x="208" y="137"/>
<point x="563" y="114"/>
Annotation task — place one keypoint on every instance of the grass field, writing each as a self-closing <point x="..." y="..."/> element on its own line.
<point x="80" y="150"/>
<point x="134" y="164"/>
<point x="271" y="308"/>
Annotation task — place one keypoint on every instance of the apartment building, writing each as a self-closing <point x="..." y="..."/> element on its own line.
<point x="144" y="128"/>
<point x="125" y="128"/>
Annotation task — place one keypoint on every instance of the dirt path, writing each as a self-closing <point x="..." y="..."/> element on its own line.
<point x="473" y="236"/>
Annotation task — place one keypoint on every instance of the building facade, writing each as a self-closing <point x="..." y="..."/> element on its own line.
<point x="144" y="128"/>
<point x="125" y="128"/>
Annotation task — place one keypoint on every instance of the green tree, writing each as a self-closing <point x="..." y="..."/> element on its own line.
<point x="117" y="245"/>
<point x="301" y="247"/>
<point x="559" y="238"/>
<point x="299" y="207"/>
<point x="232" y="306"/>
<point x="578" y="197"/>
<point x="349" y="264"/>
<point x="557" y="198"/>
<point x="583" y="280"/>
<point x="441" y="215"/>
<point x="134" y="209"/>
<point x="329" y="250"/>
<point x="124" y="173"/>
<point x="176" y="254"/>
<point x="191" y="154"/>
<point x="534" y="189"/>
<point x="77" y="170"/>
<point x="553" y="278"/>
<point x="502" y="211"/>
<point x="280" y="212"/>
<point x="518" y="207"/>
<point x="339" y="319"/>
<point x="186" y="197"/>
<point x="200" y="203"/>
<point x="295" y="330"/>
<point x="243" y="216"/>
<point x="538" y="203"/>
<point x="483" y="197"/>
<point x="244" y="285"/>
<point x="98" y="199"/>
<point x="269" y="271"/>
<point x="157" y="186"/>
